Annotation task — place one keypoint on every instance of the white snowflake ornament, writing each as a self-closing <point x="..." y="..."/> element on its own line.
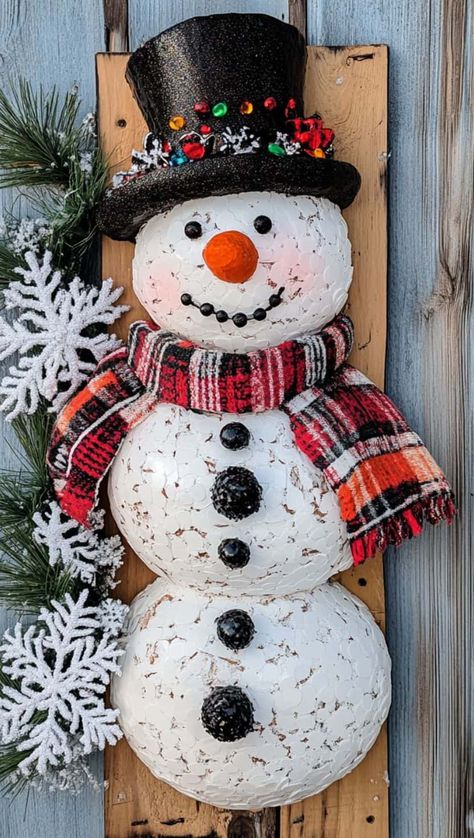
<point x="50" y="335"/>
<point x="112" y="613"/>
<point x="62" y="666"/>
<point x="80" y="550"/>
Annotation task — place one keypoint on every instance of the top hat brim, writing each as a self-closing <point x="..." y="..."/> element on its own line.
<point x="124" y="210"/>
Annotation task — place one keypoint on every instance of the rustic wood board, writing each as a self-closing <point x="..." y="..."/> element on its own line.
<point x="337" y="79"/>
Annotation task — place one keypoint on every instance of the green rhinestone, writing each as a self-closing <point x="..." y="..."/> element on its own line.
<point x="220" y="109"/>
<point x="274" y="148"/>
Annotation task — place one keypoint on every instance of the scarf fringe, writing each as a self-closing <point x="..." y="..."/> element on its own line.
<point x="404" y="525"/>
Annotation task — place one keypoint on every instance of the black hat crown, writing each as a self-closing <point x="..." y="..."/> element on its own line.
<point x="223" y="94"/>
<point x="226" y="71"/>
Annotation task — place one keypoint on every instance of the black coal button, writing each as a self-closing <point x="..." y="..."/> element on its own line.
<point x="234" y="552"/>
<point x="236" y="493"/>
<point x="234" y="436"/>
<point x="235" y="629"/>
<point x="227" y="714"/>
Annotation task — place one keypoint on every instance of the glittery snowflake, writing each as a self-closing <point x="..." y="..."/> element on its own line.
<point x="111" y="614"/>
<point x="85" y="162"/>
<point x="52" y="334"/>
<point x="287" y="143"/>
<point x="242" y="142"/>
<point x="81" y="551"/>
<point x="60" y="667"/>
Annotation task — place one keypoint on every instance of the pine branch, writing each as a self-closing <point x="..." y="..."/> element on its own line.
<point x="33" y="433"/>
<point x="37" y="137"/>
<point x="45" y="150"/>
<point x="8" y="262"/>
<point x="10" y="781"/>
<point x="72" y="215"/>
<point x="27" y="580"/>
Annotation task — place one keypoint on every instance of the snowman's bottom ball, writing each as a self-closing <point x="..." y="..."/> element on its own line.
<point x="316" y="673"/>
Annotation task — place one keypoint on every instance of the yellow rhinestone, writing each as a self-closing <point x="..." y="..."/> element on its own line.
<point x="246" y="107"/>
<point x="318" y="152"/>
<point x="177" y="122"/>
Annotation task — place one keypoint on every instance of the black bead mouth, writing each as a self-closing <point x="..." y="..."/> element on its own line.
<point x="239" y="319"/>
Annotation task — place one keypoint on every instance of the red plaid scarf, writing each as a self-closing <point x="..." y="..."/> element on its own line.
<point x="386" y="481"/>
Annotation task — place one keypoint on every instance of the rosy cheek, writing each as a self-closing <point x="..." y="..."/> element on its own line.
<point x="167" y="291"/>
<point x="311" y="265"/>
<point x="158" y="283"/>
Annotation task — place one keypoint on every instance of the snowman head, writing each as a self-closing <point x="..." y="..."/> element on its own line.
<point x="244" y="271"/>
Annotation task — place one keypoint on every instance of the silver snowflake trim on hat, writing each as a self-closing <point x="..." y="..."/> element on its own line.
<point x="240" y="142"/>
<point x="287" y="144"/>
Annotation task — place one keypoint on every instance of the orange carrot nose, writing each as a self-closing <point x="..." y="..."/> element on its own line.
<point x="231" y="256"/>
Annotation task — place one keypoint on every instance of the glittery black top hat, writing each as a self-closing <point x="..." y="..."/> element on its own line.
<point x="223" y="98"/>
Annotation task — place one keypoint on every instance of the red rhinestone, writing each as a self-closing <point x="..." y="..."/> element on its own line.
<point x="195" y="151"/>
<point x="270" y="103"/>
<point x="205" y="129"/>
<point x="290" y="109"/>
<point x="202" y="107"/>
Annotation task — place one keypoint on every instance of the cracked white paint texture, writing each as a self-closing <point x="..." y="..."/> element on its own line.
<point x="307" y="251"/>
<point x="160" y="494"/>
<point x="317" y="673"/>
<point x="317" y="670"/>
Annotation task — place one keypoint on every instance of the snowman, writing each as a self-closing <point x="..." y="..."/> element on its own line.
<point x="245" y="455"/>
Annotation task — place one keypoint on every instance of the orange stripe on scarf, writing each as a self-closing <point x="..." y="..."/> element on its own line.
<point x="372" y="477"/>
<point x="94" y="386"/>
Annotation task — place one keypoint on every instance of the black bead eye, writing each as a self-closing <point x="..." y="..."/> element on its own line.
<point x="193" y="230"/>
<point x="262" y="224"/>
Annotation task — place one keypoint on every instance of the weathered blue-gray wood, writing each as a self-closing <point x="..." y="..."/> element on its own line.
<point x="429" y="373"/>
<point x="50" y="43"/>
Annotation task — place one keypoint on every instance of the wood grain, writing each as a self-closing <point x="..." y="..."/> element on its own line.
<point x="116" y="25"/>
<point x="297" y="15"/>
<point x="134" y="797"/>
<point x="337" y="80"/>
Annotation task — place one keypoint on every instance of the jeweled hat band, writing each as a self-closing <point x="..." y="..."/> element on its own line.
<point x="299" y="136"/>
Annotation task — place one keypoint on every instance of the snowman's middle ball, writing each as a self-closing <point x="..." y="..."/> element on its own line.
<point x="298" y="284"/>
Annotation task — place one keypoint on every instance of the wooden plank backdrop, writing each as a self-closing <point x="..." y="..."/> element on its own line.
<point x="429" y="368"/>
<point x="335" y="79"/>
